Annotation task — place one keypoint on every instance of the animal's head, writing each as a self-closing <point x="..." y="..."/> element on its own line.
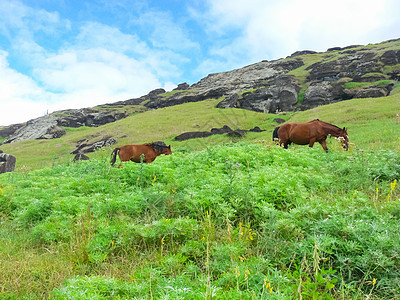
<point x="344" y="137"/>
<point x="167" y="150"/>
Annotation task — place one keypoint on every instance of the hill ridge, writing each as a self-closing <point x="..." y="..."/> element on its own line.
<point x="301" y="81"/>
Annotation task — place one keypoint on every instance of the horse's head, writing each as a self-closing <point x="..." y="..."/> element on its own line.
<point x="167" y="150"/>
<point x="344" y="138"/>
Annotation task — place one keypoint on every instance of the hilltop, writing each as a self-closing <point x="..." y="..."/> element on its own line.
<point x="303" y="80"/>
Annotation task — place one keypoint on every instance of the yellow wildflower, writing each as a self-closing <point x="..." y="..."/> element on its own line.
<point x="393" y="184"/>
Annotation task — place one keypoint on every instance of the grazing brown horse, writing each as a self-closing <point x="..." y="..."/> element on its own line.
<point x="309" y="133"/>
<point x="134" y="152"/>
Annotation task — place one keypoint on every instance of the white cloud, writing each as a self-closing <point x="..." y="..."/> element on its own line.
<point x="19" y="95"/>
<point x="99" y="66"/>
<point x="166" y="33"/>
<point x="267" y="29"/>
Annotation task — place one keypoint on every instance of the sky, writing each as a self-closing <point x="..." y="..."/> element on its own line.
<point x="63" y="54"/>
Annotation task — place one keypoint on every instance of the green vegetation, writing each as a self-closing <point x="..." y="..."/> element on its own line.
<point x="161" y="124"/>
<point x="173" y="92"/>
<point x="237" y="221"/>
<point x="302" y="92"/>
<point x="357" y="85"/>
<point x="376" y="75"/>
<point x="220" y="218"/>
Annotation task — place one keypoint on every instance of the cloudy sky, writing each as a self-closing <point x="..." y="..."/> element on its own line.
<point x="60" y="54"/>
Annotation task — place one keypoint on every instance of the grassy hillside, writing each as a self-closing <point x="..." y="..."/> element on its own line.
<point x="161" y="124"/>
<point x="235" y="221"/>
<point x="371" y="124"/>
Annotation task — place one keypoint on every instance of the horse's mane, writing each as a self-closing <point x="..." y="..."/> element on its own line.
<point x="326" y="123"/>
<point x="157" y="146"/>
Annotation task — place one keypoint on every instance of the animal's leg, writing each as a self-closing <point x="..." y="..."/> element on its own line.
<point x="150" y="158"/>
<point x="323" y="144"/>
<point x="286" y="144"/>
<point x="311" y="143"/>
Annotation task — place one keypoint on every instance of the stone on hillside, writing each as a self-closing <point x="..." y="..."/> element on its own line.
<point x="182" y="87"/>
<point x="371" y="92"/>
<point x="280" y="94"/>
<point x="45" y="127"/>
<point x="7" y="131"/>
<point x="391" y="57"/>
<point x="85" y="147"/>
<point x="192" y="135"/>
<point x="79" y="157"/>
<point x="7" y="162"/>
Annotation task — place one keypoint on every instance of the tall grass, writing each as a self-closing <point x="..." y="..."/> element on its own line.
<point x="239" y="221"/>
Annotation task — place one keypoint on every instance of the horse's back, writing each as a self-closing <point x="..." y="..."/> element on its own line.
<point x="298" y="133"/>
<point x="134" y="152"/>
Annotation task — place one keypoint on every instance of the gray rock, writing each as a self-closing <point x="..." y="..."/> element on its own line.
<point x="371" y="92"/>
<point x="79" y="157"/>
<point x="318" y="93"/>
<point x="7" y="162"/>
<point x="280" y="94"/>
<point x="45" y="127"/>
<point x="225" y="129"/>
<point x="85" y="147"/>
<point x="182" y="86"/>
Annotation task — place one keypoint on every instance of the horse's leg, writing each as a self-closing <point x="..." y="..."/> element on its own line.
<point x="286" y="144"/>
<point x="323" y="144"/>
<point x="311" y="143"/>
<point x="150" y="158"/>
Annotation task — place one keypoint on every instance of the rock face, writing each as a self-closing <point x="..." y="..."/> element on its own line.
<point x="50" y="126"/>
<point x="279" y="94"/>
<point x="41" y="128"/>
<point x="7" y="162"/>
<point x="83" y="146"/>
<point x="303" y="80"/>
<point x="225" y="129"/>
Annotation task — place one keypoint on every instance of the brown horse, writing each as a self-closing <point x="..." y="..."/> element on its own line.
<point x="140" y="153"/>
<point x="309" y="133"/>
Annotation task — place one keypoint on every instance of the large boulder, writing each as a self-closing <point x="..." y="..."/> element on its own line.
<point x="7" y="162"/>
<point x="279" y="94"/>
<point x="50" y="126"/>
<point x="45" y="127"/>
<point x="7" y="131"/>
<point x="84" y="147"/>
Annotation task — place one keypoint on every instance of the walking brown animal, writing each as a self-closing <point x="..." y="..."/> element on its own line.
<point x="309" y="133"/>
<point x="140" y="153"/>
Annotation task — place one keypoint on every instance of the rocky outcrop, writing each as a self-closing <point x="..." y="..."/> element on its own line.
<point x="84" y="147"/>
<point x="7" y="162"/>
<point x="279" y="94"/>
<point x="9" y="130"/>
<point x="87" y="117"/>
<point x="223" y="130"/>
<point x="303" y="80"/>
<point x="50" y="126"/>
<point x="45" y="127"/>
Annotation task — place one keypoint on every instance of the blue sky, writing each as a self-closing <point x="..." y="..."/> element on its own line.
<point x="61" y="54"/>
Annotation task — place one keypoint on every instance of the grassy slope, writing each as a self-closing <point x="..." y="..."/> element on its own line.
<point x="161" y="124"/>
<point x="361" y="116"/>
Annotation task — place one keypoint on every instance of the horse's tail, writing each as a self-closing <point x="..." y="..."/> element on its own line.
<point x="114" y="156"/>
<point x="275" y="134"/>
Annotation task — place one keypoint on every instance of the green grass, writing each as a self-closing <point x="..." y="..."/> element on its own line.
<point x="371" y="124"/>
<point x="239" y="218"/>
<point x="357" y="85"/>
<point x="221" y="218"/>
<point x="161" y="124"/>
<point x="238" y="221"/>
